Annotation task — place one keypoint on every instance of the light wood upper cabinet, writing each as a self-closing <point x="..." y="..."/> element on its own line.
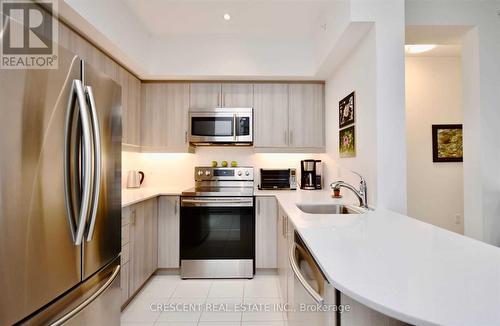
<point x="168" y="232"/>
<point x="131" y="108"/>
<point x="265" y="232"/>
<point x="271" y="115"/>
<point x="204" y="95"/>
<point x="164" y="121"/>
<point x="306" y="115"/>
<point x="237" y="95"/>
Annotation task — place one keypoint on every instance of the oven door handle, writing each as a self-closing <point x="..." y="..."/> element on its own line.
<point x="217" y="201"/>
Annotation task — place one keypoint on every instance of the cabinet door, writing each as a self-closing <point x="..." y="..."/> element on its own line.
<point x="168" y="232"/>
<point x="151" y="237"/>
<point x="124" y="281"/>
<point x="271" y="115"/>
<point x="237" y="95"/>
<point x="204" y="95"/>
<point x="123" y="80"/>
<point x="265" y="228"/>
<point x="132" y="129"/>
<point x="282" y="255"/>
<point x="165" y="116"/>
<point x="137" y="240"/>
<point x="177" y="106"/>
<point x="154" y="116"/>
<point x="306" y="116"/>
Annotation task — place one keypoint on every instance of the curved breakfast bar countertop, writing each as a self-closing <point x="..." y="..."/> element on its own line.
<point x="397" y="265"/>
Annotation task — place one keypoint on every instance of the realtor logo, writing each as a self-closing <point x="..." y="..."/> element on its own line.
<point x="28" y="35"/>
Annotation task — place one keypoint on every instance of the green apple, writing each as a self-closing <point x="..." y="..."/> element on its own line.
<point x="224" y="163"/>
<point x="234" y="164"/>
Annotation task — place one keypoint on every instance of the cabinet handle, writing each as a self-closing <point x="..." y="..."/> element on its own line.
<point x="218" y="100"/>
<point x="185" y="136"/>
<point x="175" y="206"/>
<point x="291" y="137"/>
<point x="258" y="207"/>
<point x="224" y="100"/>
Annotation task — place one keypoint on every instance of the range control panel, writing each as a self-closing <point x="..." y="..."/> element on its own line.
<point x="229" y="173"/>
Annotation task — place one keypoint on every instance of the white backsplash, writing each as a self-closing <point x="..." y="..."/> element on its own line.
<point x="176" y="169"/>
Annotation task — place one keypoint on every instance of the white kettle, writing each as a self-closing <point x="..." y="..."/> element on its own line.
<point x="135" y="179"/>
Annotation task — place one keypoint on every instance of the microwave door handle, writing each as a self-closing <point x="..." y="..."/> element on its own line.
<point x="234" y="126"/>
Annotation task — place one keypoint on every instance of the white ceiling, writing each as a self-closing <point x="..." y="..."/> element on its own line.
<point x="270" y="19"/>
<point x="448" y="50"/>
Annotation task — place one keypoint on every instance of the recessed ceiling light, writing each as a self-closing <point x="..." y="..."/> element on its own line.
<point x="419" y="48"/>
<point x="227" y="16"/>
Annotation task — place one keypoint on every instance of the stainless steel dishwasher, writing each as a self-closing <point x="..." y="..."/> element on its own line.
<point x="313" y="298"/>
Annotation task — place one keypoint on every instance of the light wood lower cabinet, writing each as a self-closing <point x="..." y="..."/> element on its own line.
<point x="282" y="244"/>
<point x="139" y="245"/>
<point x="265" y="232"/>
<point x="361" y="315"/>
<point x="168" y="232"/>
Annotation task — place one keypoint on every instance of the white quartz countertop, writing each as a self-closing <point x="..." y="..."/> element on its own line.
<point x="136" y="195"/>
<point x="399" y="266"/>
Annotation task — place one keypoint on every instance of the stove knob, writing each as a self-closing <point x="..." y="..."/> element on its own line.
<point x="239" y="173"/>
<point x="247" y="173"/>
<point x="200" y="173"/>
<point x="207" y="173"/>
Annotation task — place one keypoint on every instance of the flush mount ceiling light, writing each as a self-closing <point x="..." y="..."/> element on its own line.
<point x="227" y="16"/>
<point x="419" y="48"/>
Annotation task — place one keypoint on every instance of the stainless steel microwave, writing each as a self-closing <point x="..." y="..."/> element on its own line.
<point x="231" y="126"/>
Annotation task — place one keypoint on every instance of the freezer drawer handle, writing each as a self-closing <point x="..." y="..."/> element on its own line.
<point x="89" y="300"/>
<point x="77" y="93"/>
<point x="315" y="295"/>
<point x="97" y="162"/>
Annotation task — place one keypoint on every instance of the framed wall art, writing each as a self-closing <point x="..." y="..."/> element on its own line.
<point x="347" y="142"/>
<point x="447" y="145"/>
<point x="347" y="107"/>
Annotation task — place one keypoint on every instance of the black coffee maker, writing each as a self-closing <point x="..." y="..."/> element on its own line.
<point x="310" y="172"/>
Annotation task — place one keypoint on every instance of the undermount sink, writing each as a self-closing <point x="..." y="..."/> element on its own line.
<point x="330" y="209"/>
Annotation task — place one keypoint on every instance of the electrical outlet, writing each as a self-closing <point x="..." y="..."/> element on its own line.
<point x="458" y="219"/>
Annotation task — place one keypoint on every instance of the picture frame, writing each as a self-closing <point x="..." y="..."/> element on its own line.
<point x="447" y="143"/>
<point x="347" y="142"/>
<point x="347" y="108"/>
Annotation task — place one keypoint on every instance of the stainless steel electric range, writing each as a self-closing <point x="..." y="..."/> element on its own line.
<point x="217" y="224"/>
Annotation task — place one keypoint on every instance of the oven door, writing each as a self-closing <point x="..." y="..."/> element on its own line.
<point x="217" y="237"/>
<point x="221" y="126"/>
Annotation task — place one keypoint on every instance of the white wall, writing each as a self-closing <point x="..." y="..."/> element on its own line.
<point x="433" y="96"/>
<point x="481" y="75"/>
<point x="389" y="19"/>
<point x="375" y="70"/>
<point x="355" y="73"/>
<point x="177" y="169"/>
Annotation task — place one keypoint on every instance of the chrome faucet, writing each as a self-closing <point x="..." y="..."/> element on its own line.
<point x="361" y="193"/>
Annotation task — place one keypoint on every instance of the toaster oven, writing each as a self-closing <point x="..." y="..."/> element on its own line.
<point x="278" y="179"/>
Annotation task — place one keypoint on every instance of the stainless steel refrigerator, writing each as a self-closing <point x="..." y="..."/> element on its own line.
<point x="60" y="199"/>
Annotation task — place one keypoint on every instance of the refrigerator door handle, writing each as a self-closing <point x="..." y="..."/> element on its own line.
<point x="77" y="94"/>
<point x="89" y="300"/>
<point x="97" y="162"/>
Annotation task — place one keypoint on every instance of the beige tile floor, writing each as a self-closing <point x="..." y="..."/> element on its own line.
<point x="189" y="302"/>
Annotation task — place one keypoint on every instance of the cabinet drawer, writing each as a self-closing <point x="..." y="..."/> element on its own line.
<point x="125" y="234"/>
<point x="124" y="282"/>
<point x="126" y="215"/>
<point x="125" y="256"/>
